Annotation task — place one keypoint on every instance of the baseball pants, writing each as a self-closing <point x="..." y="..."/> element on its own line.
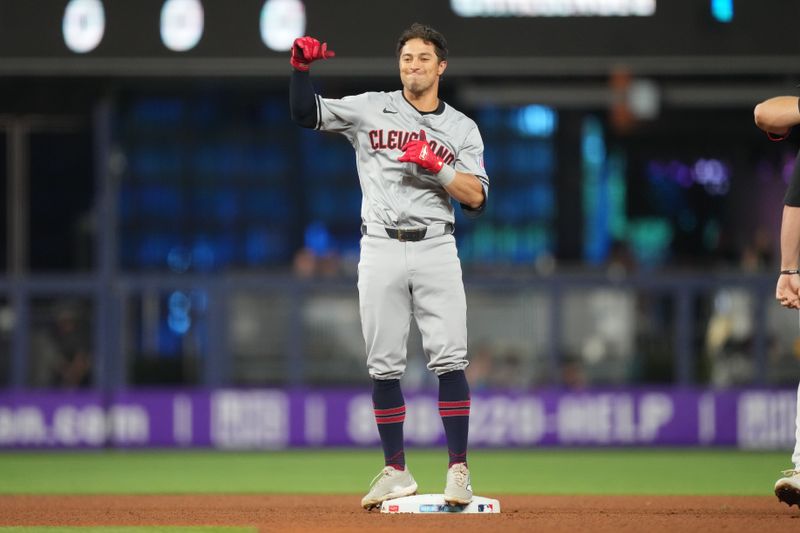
<point x="398" y="279"/>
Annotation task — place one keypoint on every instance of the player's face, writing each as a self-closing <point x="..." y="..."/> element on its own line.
<point x="420" y="68"/>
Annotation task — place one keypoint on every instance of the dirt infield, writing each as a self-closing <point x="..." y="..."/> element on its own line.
<point x="542" y="514"/>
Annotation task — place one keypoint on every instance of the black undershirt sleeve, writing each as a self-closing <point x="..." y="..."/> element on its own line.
<point x="302" y="100"/>
<point x="792" y="197"/>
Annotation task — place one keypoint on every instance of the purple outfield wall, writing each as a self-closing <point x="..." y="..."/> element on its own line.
<point x="274" y="419"/>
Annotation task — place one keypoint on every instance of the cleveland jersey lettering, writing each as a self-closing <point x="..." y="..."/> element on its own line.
<point x="378" y="124"/>
<point x="395" y="140"/>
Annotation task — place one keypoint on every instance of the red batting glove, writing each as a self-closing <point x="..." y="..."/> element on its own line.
<point x="306" y="50"/>
<point x="419" y="151"/>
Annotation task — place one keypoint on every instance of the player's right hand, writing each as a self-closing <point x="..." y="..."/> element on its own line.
<point x="419" y="151"/>
<point x="787" y="291"/>
<point x="306" y="50"/>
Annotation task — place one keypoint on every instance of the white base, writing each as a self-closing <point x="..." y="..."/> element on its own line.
<point x="434" y="503"/>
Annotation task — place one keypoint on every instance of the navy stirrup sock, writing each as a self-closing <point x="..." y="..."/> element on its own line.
<point x="454" y="403"/>
<point x="390" y="413"/>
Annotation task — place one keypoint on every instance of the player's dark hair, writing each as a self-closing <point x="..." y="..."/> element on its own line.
<point x="427" y="34"/>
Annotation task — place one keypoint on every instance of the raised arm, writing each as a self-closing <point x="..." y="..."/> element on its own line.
<point x="302" y="100"/>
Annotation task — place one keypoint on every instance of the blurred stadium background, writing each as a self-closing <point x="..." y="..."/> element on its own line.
<point x="178" y="260"/>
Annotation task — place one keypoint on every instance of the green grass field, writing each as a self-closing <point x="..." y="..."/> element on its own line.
<point x="617" y="471"/>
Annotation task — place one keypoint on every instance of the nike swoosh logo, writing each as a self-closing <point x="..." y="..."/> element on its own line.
<point x="389" y="111"/>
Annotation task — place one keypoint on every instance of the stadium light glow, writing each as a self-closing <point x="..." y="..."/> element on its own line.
<point x="84" y="25"/>
<point x="536" y="120"/>
<point x="181" y="24"/>
<point x="722" y="10"/>
<point x="553" y="8"/>
<point x="282" y="21"/>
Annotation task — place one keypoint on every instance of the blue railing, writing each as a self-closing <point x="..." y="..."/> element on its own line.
<point x="111" y="335"/>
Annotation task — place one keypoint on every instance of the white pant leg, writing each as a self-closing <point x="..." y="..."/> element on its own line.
<point x="796" y="454"/>
<point x="385" y="305"/>
<point x="439" y="302"/>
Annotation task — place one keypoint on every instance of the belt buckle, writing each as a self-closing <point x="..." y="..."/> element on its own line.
<point x="401" y="235"/>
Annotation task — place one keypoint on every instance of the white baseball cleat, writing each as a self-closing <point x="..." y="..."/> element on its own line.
<point x="787" y="489"/>
<point x="388" y="484"/>
<point x="458" y="490"/>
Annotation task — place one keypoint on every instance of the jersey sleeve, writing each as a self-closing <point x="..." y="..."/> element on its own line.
<point x="470" y="160"/>
<point x="340" y="115"/>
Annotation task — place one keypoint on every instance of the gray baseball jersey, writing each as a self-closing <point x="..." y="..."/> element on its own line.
<point x="398" y="279"/>
<point x="378" y="124"/>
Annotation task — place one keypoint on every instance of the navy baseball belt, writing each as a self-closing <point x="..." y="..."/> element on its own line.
<point x="407" y="234"/>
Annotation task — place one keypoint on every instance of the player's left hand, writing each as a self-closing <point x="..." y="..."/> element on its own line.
<point x="419" y="151"/>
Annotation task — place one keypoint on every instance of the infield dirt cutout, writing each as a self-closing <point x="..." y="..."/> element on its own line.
<point x="541" y="514"/>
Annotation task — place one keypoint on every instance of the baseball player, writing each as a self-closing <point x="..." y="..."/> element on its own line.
<point x="414" y="153"/>
<point x="776" y="117"/>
